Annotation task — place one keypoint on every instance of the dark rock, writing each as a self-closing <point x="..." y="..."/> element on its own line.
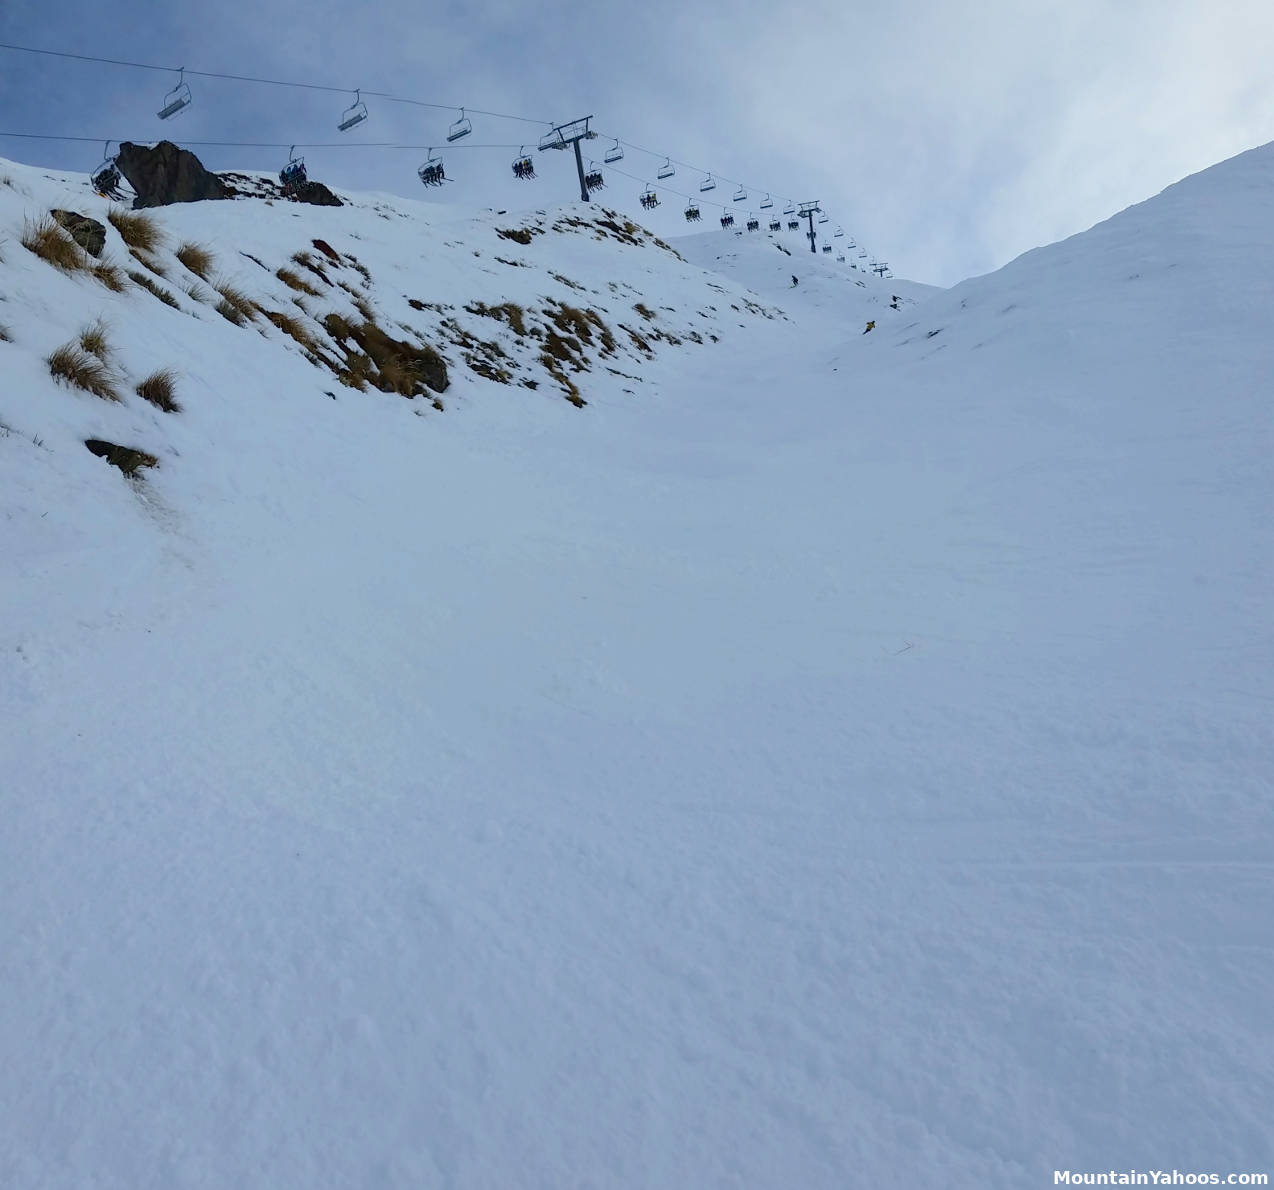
<point x="88" y="233"/>
<point x="126" y="458"/>
<point x="166" y="174"/>
<point x="316" y="194"/>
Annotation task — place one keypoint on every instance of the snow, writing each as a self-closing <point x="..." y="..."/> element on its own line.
<point x="824" y="759"/>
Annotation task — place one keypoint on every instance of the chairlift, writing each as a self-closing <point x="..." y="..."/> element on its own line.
<point x="666" y="170"/>
<point x="707" y="184"/>
<point x="432" y="172"/>
<point x="613" y="154"/>
<point x="840" y="231"/>
<point x="523" y="166"/>
<point x="775" y="225"/>
<point x="353" y="115"/>
<point x="178" y="99"/>
<point x="692" y="214"/>
<point x="460" y="128"/>
<point x="766" y="203"/>
<point x="794" y="225"/>
<point x="790" y="209"/>
<point x="727" y="220"/>
<point x="593" y="180"/>
<point x="822" y="218"/>
<point x="862" y="256"/>
<point x="840" y="260"/>
<point x="293" y="176"/>
<point x="648" y="199"/>
<point x="827" y="249"/>
<point x="851" y="243"/>
<point x="741" y="195"/>
<point x="754" y="225"/>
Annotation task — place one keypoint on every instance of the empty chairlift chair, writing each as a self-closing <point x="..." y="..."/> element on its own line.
<point x="766" y="203"/>
<point x="461" y="127"/>
<point x="613" y="154"/>
<point x="840" y="231"/>
<point x="741" y="195"/>
<point x="707" y="184"/>
<point x="790" y="209"/>
<point x="353" y="115"/>
<point x="523" y="166"/>
<point x="666" y="170"/>
<point x="178" y="99"/>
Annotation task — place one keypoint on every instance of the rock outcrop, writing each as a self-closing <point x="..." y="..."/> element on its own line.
<point x="88" y="233"/>
<point x="167" y="174"/>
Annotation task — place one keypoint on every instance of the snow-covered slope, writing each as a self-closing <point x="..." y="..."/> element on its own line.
<point x="824" y="759"/>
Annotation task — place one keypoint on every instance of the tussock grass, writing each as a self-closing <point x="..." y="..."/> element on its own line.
<point x="109" y="275"/>
<point x="231" y="313"/>
<point x="198" y="292"/>
<point x="509" y="312"/>
<point x="645" y="311"/>
<point x="148" y="263"/>
<point x="294" y="328"/>
<point x="51" y="244"/>
<point x="196" y="258"/>
<point x="93" y="339"/>
<point x="139" y="231"/>
<point x="307" y="261"/>
<point x="293" y="281"/>
<point x="158" y="290"/>
<point x="76" y="368"/>
<point x="159" y="388"/>
<point x="232" y="296"/>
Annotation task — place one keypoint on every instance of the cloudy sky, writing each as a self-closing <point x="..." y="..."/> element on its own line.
<point x="947" y="137"/>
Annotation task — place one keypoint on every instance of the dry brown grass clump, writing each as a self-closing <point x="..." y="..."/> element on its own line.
<point x="293" y="328"/>
<point x="109" y="275"/>
<point x="509" y="312"/>
<point x="645" y="311"/>
<point x="146" y="262"/>
<point x="140" y="232"/>
<point x="196" y="258"/>
<point x="307" y="261"/>
<point x="158" y="290"/>
<point x="128" y="459"/>
<point x="75" y="367"/>
<point x="243" y="307"/>
<point x="290" y="279"/>
<point x="93" y="339"/>
<point x="51" y="244"/>
<point x="159" y="388"/>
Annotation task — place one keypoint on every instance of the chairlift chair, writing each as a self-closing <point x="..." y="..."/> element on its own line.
<point x="840" y="231"/>
<point x="432" y="172"/>
<point x="707" y="184"/>
<point x="292" y="175"/>
<point x="775" y="225"/>
<point x="790" y="209"/>
<point x="754" y="225"/>
<point x="353" y="115"/>
<point x="727" y="220"/>
<point x="649" y="199"/>
<point x="822" y="218"/>
<point x="523" y="166"/>
<point x="593" y="180"/>
<point x="613" y="154"/>
<point x="666" y="170"/>
<point x="178" y="99"/>
<point x="766" y="203"/>
<point x="692" y="214"/>
<point x="460" y="128"/>
<point x="105" y="178"/>
<point x="840" y="260"/>
<point x="851" y="243"/>
<point x="862" y="255"/>
<point x="794" y="225"/>
<point x="827" y="249"/>
<point x="741" y="195"/>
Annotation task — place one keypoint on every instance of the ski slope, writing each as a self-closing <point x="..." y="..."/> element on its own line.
<point x="824" y="759"/>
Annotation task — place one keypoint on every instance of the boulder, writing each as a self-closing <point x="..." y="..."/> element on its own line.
<point x="316" y="194"/>
<point x="88" y="233"/>
<point x="166" y="174"/>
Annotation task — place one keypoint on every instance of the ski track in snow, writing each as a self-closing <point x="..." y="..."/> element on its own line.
<point x="840" y="760"/>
